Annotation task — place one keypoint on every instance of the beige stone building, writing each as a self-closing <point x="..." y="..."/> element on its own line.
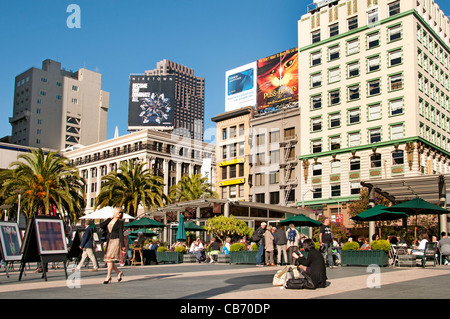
<point x="375" y="96"/>
<point x="55" y="108"/>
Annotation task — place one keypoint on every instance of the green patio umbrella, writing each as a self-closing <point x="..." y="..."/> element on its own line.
<point x="301" y="220"/>
<point x="418" y="206"/>
<point x="378" y="213"/>
<point x="145" y="222"/>
<point x="181" y="232"/>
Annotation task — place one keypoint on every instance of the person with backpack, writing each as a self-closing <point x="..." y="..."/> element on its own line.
<point x="326" y="241"/>
<point x="292" y="242"/>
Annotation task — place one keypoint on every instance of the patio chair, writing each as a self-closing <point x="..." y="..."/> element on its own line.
<point x="444" y="251"/>
<point x="429" y="253"/>
<point x="137" y="249"/>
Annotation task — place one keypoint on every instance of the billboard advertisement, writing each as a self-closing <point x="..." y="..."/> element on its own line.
<point x="151" y="101"/>
<point x="278" y="79"/>
<point x="240" y="87"/>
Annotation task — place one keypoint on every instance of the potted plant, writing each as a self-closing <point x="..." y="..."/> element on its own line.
<point x="239" y="255"/>
<point x="377" y="255"/>
<point x="170" y="256"/>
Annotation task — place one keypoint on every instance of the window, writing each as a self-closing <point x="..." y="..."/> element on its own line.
<point x="373" y="40"/>
<point x="260" y="159"/>
<point x="316" y="80"/>
<point x="74" y="88"/>
<point x="316" y="124"/>
<point x="333" y="53"/>
<point x="335" y="120"/>
<point x="317" y="169"/>
<point x="274" y="198"/>
<point x="355" y="188"/>
<point x="352" y="46"/>
<point x="353" y="69"/>
<point x="274" y="137"/>
<point x="289" y="133"/>
<point x="241" y="149"/>
<point x="260" y="198"/>
<point x="316" y="102"/>
<point x="354" y="139"/>
<point x="260" y="139"/>
<point x="394" y="8"/>
<point x="395" y="58"/>
<point x="373" y="64"/>
<point x="335" y="167"/>
<point x="335" y="190"/>
<point x="334" y="75"/>
<point x="335" y="97"/>
<point x="396" y="107"/>
<point x="241" y="130"/>
<point x="352" y="23"/>
<point x="315" y="36"/>
<point x="375" y="160"/>
<point x="396" y="82"/>
<point x="316" y="58"/>
<point x="224" y="172"/>
<point x="232" y="171"/>
<point x="353" y="92"/>
<point x="233" y="191"/>
<point x="334" y="29"/>
<point x="259" y="179"/>
<point x="224" y="152"/>
<point x="372" y="16"/>
<point x="317" y="146"/>
<point x="397" y="157"/>
<point x="375" y="135"/>
<point x="396" y="131"/>
<point x="374" y="87"/>
<point x="274" y="177"/>
<point x="274" y="156"/>
<point x="224" y="134"/>
<point x="317" y="193"/>
<point x="354" y="116"/>
<point x="233" y="150"/>
<point x="335" y="143"/>
<point x="395" y="33"/>
<point x="355" y="164"/>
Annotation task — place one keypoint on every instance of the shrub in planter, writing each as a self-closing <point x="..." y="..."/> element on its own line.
<point x="350" y="246"/>
<point x="161" y="249"/>
<point x="254" y="247"/>
<point x="180" y="249"/>
<point x="237" y="247"/>
<point x="380" y="245"/>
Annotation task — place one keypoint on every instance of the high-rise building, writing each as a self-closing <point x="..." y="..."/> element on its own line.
<point x="375" y="93"/>
<point x="168" y="98"/>
<point x="55" y="108"/>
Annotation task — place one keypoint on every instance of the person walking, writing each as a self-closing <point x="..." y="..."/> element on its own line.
<point x="326" y="241"/>
<point x="258" y="238"/>
<point x="87" y="245"/>
<point x="280" y="242"/>
<point x="292" y="242"/>
<point x="114" y="243"/>
<point x="269" y="246"/>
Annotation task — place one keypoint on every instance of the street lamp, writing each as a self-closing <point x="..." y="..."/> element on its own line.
<point x="303" y="196"/>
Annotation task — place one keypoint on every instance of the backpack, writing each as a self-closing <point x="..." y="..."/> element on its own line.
<point x="300" y="283"/>
<point x="291" y="235"/>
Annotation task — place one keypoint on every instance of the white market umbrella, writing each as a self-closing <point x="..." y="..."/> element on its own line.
<point x="104" y="213"/>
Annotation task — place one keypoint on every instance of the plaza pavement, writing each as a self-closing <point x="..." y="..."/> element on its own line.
<point x="225" y="282"/>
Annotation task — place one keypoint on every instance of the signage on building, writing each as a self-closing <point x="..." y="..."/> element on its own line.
<point x="232" y="162"/>
<point x="232" y="182"/>
<point x="151" y="101"/>
<point x="240" y="87"/>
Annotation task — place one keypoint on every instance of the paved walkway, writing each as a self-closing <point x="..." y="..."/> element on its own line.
<point x="225" y="282"/>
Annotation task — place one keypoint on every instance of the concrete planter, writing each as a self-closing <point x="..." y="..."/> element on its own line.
<point x="243" y="257"/>
<point x="170" y="257"/>
<point x="365" y="257"/>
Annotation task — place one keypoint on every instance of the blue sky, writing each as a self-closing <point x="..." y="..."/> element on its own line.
<point x="121" y="37"/>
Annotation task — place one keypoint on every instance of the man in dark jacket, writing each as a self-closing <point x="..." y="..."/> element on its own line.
<point x="87" y="244"/>
<point x="280" y="241"/>
<point x="258" y="238"/>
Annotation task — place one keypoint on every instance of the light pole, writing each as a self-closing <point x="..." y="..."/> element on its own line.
<point x="303" y="196"/>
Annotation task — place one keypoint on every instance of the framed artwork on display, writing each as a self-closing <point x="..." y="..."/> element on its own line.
<point x="11" y="241"/>
<point x="51" y="237"/>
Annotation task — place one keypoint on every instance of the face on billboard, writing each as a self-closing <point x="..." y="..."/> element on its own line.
<point x="151" y="101"/>
<point x="240" y="86"/>
<point x="278" y="79"/>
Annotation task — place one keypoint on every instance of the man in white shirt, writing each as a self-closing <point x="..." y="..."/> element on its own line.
<point x="197" y="249"/>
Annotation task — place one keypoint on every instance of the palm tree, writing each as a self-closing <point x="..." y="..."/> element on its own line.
<point x="191" y="188"/>
<point x="43" y="181"/>
<point x="130" y="186"/>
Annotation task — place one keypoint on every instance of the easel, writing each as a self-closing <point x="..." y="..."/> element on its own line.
<point x="31" y="252"/>
<point x="11" y="242"/>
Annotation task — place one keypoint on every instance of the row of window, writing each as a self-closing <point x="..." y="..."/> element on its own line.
<point x="434" y="47"/>
<point x="352" y="23"/>
<point x="353" y="116"/>
<point x="373" y="88"/>
<point x="374" y="135"/>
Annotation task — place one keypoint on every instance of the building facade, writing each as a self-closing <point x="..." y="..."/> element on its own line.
<point x="168" y="155"/>
<point x="55" y="108"/>
<point x="375" y="96"/>
<point x="233" y="149"/>
<point x="189" y="94"/>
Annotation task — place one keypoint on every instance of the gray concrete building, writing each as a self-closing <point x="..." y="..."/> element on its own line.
<point x="56" y="108"/>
